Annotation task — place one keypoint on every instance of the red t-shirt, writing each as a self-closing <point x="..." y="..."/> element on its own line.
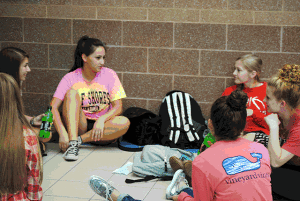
<point x="256" y="96"/>
<point x="292" y="143"/>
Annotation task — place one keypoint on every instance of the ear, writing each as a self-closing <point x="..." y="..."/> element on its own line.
<point x="253" y="74"/>
<point x="283" y="103"/>
<point x="84" y="57"/>
<point x="210" y="126"/>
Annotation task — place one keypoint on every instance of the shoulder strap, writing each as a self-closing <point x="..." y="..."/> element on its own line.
<point x="148" y="178"/>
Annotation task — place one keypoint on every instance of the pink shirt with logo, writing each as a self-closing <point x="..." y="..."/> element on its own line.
<point x="231" y="170"/>
<point x="97" y="95"/>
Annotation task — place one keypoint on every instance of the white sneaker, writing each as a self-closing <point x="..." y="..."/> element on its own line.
<point x="101" y="187"/>
<point x="72" y="152"/>
<point x="173" y="188"/>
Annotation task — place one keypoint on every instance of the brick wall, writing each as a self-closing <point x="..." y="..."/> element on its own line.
<point x="154" y="45"/>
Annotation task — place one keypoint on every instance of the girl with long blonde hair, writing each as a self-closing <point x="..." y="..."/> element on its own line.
<point x="21" y="161"/>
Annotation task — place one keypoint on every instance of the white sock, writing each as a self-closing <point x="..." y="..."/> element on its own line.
<point x="79" y="140"/>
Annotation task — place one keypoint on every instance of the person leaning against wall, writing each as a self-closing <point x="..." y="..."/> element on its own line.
<point x="247" y="78"/>
<point x="15" y="62"/>
<point x="91" y="98"/>
<point x="21" y="166"/>
<point x="283" y="99"/>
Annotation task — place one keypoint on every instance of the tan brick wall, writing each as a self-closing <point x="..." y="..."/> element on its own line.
<point x="154" y="45"/>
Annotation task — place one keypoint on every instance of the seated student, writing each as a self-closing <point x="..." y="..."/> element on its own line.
<point x="231" y="169"/>
<point x="21" y="162"/>
<point x="14" y="62"/>
<point x="246" y="77"/>
<point x="283" y="98"/>
<point x="91" y="98"/>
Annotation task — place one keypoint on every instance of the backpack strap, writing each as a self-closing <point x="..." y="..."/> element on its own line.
<point x="188" y="126"/>
<point x="148" y="178"/>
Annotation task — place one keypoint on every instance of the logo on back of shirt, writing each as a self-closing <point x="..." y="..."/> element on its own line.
<point x="238" y="164"/>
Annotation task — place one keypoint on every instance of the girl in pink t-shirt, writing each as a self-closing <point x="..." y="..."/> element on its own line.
<point x="231" y="169"/>
<point x="91" y="99"/>
<point x="283" y="98"/>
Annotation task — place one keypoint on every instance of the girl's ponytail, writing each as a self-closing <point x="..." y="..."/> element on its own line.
<point x="87" y="46"/>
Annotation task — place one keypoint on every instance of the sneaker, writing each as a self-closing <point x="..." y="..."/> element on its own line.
<point x="173" y="188"/>
<point x="72" y="152"/>
<point x="101" y="187"/>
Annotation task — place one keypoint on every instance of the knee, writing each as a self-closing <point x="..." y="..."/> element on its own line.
<point x="72" y="94"/>
<point x="122" y="121"/>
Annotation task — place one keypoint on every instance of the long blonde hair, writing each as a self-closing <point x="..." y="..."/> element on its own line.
<point x="13" y="168"/>
<point x="287" y="84"/>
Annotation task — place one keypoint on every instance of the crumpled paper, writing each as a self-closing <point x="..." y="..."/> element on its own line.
<point x="125" y="169"/>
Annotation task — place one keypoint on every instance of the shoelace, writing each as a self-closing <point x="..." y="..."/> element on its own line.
<point x="107" y="191"/>
<point x="72" y="149"/>
<point x="177" y="184"/>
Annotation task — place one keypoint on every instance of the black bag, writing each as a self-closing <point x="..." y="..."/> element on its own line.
<point x="182" y="121"/>
<point x="143" y="130"/>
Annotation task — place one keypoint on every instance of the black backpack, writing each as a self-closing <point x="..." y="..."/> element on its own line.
<point x="182" y="121"/>
<point x="143" y="130"/>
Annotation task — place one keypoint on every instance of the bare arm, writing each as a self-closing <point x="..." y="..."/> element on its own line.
<point x="98" y="129"/>
<point x="278" y="156"/>
<point x="116" y="110"/>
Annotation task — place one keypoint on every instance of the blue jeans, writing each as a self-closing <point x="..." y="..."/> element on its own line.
<point x="126" y="197"/>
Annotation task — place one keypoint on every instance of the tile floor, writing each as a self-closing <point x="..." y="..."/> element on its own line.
<point x="66" y="181"/>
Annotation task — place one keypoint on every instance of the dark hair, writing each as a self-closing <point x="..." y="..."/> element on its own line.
<point x="228" y="115"/>
<point x="87" y="46"/>
<point x="10" y="61"/>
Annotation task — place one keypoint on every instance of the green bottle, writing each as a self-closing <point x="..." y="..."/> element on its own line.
<point x="46" y="123"/>
<point x="209" y="137"/>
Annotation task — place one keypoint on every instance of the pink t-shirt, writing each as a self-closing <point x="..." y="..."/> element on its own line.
<point x="231" y="170"/>
<point x="292" y="143"/>
<point x="97" y="95"/>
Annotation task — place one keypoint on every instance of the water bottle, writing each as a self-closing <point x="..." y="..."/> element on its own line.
<point x="209" y="137"/>
<point x="46" y="123"/>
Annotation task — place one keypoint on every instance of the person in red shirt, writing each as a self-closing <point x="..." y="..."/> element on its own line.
<point x="246" y="77"/>
<point x="21" y="161"/>
<point x="283" y="99"/>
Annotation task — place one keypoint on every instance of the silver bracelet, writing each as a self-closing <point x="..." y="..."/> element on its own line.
<point x="31" y="121"/>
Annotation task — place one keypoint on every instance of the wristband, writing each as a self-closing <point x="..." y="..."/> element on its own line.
<point x="31" y="121"/>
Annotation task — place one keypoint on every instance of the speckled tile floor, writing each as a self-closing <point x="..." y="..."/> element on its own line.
<point x="66" y="181"/>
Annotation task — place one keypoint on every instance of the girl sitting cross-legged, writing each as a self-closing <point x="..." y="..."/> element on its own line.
<point x="91" y="99"/>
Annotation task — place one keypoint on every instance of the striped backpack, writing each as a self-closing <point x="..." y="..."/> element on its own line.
<point x="182" y="123"/>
